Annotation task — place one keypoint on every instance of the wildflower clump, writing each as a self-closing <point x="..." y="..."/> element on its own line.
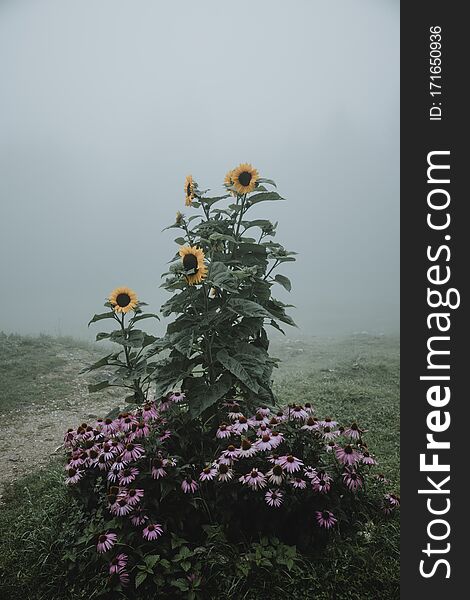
<point x="204" y="442"/>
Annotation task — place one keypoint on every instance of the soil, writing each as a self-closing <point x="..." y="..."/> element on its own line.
<point x="32" y="435"/>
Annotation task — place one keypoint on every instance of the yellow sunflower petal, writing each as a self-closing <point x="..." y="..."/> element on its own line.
<point x="123" y="299"/>
<point x="244" y="178"/>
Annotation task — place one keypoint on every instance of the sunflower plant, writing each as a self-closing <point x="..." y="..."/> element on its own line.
<point x="221" y="279"/>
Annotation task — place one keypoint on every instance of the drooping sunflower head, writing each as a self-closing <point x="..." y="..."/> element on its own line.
<point x="189" y="189"/>
<point x="244" y="178"/>
<point x="193" y="264"/>
<point x="123" y="299"/>
<point x="179" y="217"/>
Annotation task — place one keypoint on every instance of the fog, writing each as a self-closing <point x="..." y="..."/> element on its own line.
<point x="106" y="106"/>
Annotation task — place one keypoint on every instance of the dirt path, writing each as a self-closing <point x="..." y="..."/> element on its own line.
<point x="31" y="436"/>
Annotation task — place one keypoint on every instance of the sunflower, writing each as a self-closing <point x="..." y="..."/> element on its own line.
<point x="189" y="187"/>
<point x="179" y="217"/>
<point x="123" y="299"/>
<point x="244" y="178"/>
<point x="193" y="264"/>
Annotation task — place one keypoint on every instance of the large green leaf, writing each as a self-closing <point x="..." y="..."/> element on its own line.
<point x="284" y="281"/>
<point x="202" y="397"/>
<point x="265" y="196"/>
<point x="222" y="277"/>
<point x="247" y="308"/>
<point x="100" y="317"/>
<point x="237" y="369"/>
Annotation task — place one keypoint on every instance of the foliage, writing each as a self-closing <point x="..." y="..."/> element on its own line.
<point x="217" y="344"/>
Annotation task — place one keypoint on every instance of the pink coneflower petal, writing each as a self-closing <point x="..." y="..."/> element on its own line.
<point x="225" y="473"/>
<point x="290" y="463"/>
<point x="118" y="562"/>
<point x="274" y="498"/>
<point x="127" y="475"/>
<point x="352" y="480"/>
<point x="134" y="496"/>
<point x="139" y="518"/>
<point x="177" y="397"/>
<point x="311" y="424"/>
<point x="189" y="486"/>
<point x="208" y="474"/>
<point x="325" y="518"/>
<point x="224" y="431"/>
<point x="347" y="455"/>
<point x="276" y="475"/>
<point x="354" y="432"/>
<point x="298" y="413"/>
<point x="254" y="479"/>
<point x="265" y="443"/>
<point x="263" y="410"/>
<point x="152" y="531"/>
<point x="247" y="449"/>
<point x="367" y="459"/>
<point x="240" y="425"/>
<point x="132" y="452"/>
<point x="106" y="541"/>
<point x="298" y="483"/>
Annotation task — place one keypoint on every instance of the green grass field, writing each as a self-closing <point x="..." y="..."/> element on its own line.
<point x="354" y="378"/>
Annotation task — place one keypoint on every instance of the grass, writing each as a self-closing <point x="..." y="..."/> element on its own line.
<point x="353" y="379"/>
<point x="32" y="370"/>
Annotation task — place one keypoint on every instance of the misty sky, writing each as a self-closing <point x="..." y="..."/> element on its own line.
<point x="106" y="106"/>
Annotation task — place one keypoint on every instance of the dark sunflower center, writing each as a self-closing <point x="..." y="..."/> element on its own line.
<point x="244" y="178"/>
<point x="190" y="262"/>
<point x="123" y="300"/>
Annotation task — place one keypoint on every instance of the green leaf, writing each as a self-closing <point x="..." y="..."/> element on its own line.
<point x="284" y="281"/>
<point x="222" y="236"/>
<point x="202" y="397"/>
<point x="222" y="277"/>
<point x="237" y="369"/>
<point x="247" y="308"/>
<point x="269" y="181"/>
<point x="151" y="560"/>
<point x="140" y="578"/>
<point x="106" y="315"/>
<point x="264" y="196"/>
<point x="145" y="316"/>
<point x="100" y="363"/>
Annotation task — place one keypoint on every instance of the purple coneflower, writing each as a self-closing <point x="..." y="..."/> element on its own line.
<point x="330" y="447"/>
<point x="309" y="408"/>
<point x="290" y="463"/>
<point x="189" y="486"/>
<point x="265" y="443"/>
<point x="276" y="438"/>
<point x="254" y="479"/>
<point x="328" y="422"/>
<point x="311" y="424"/>
<point x="120" y="508"/>
<point x="149" y="411"/>
<point x="298" y="483"/>
<point x="367" y="459"/>
<point x="165" y="435"/>
<point x="325" y="518"/>
<point x="352" y="480"/>
<point x="230" y="454"/>
<point x="354" y="432"/>
<point x="225" y="473"/>
<point x="263" y="410"/>
<point x="392" y="499"/>
<point x="224" y="431"/>
<point x="275" y="475"/>
<point x="347" y="455"/>
<point x="134" y="496"/>
<point x="322" y="483"/>
<point x="298" y="412"/>
<point x="177" y="397"/>
<point x="274" y="498"/>
<point x="328" y="434"/>
<point x="120" y="577"/>
<point x="73" y="476"/>
<point x="247" y="449"/>
<point x="132" y="452"/>
<point x="262" y="430"/>
<point x="310" y="472"/>
<point x="157" y="468"/>
<point x="139" y="517"/>
<point x="106" y="541"/>
<point x="152" y="531"/>
<point x="240" y="425"/>
<point x="208" y="474"/>
<point x="127" y="475"/>
<point x="118" y="562"/>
